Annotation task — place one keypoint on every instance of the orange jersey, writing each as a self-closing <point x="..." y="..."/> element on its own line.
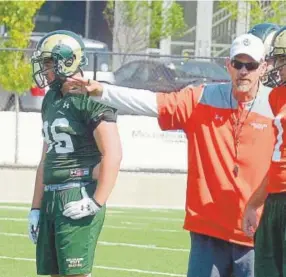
<point x="215" y="198"/>
<point x="277" y="172"/>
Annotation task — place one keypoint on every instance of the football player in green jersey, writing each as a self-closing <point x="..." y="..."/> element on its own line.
<point x="79" y="165"/>
<point x="266" y="32"/>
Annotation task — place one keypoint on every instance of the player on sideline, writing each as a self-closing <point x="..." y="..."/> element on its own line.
<point x="266" y="32"/>
<point x="71" y="189"/>
<point x="270" y="243"/>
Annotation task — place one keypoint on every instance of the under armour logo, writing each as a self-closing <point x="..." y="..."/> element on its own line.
<point x="66" y="105"/>
<point x="85" y="208"/>
<point x="218" y="117"/>
<point x="73" y="172"/>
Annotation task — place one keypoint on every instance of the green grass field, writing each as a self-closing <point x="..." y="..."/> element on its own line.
<point x="134" y="242"/>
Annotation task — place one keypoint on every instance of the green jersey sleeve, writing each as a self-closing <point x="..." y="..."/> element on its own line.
<point x="97" y="112"/>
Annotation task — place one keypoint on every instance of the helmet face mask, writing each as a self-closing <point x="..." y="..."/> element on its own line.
<point x="273" y="77"/>
<point x="266" y="32"/>
<point x="43" y="71"/>
<point x="278" y="54"/>
<point x="280" y="61"/>
<point x="279" y="67"/>
<point x="59" y="55"/>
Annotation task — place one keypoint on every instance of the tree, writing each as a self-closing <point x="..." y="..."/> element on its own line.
<point x="260" y="11"/>
<point x="15" y="68"/>
<point x="142" y="24"/>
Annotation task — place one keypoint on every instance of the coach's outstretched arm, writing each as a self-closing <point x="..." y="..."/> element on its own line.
<point x="173" y="109"/>
<point x="126" y="100"/>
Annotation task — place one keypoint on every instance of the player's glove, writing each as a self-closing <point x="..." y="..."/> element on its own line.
<point x="85" y="207"/>
<point x="33" y="227"/>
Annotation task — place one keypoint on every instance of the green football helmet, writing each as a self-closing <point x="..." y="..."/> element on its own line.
<point x="278" y="53"/>
<point x="279" y="43"/>
<point x="266" y="32"/>
<point x="65" y="52"/>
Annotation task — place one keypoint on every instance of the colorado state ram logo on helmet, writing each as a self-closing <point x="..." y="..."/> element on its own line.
<point x="65" y="50"/>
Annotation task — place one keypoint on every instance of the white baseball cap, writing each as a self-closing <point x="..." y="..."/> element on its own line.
<point x="250" y="45"/>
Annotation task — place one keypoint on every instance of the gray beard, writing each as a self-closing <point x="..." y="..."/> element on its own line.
<point x="243" y="88"/>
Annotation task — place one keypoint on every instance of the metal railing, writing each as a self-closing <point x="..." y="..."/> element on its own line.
<point x="20" y="114"/>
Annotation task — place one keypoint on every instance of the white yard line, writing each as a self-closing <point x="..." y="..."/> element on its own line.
<point x="167" y="230"/>
<point x="22" y="208"/>
<point x="108" y="226"/>
<point x="152" y="208"/>
<point x="132" y="223"/>
<point x="140" y="271"/>
<point x="18" y="208"/>
<point x="140" y="228"/>
<point x="122" y="227"/>
<point x="106" y="267"/>
<point x="110" y="212"/>
<point x="145" y="246"/>
<point x="13" y="235"/>
<point x="107" y="243"/>
<point x="12" y="219"/>
<point x="154" y="218"/>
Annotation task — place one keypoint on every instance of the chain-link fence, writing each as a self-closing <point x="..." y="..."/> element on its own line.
<point x="21" y="141"/>
<point x="145" y="71"/>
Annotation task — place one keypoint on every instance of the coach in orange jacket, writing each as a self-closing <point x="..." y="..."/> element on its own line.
<point x="230" y="138"/>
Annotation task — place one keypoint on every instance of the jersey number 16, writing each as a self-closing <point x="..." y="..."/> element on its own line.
<point x="61" y="142"/>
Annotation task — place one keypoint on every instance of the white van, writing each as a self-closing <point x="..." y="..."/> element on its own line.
<point x="98" y="51"/>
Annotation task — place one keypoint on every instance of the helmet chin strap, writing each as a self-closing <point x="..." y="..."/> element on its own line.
<point x="57" y="83"/>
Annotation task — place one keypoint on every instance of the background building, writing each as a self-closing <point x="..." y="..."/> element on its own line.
<point x="209" y="33"/>
<point x="82" y="17"/>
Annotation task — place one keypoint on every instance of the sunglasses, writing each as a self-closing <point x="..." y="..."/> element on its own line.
<point x="249" y="66"/>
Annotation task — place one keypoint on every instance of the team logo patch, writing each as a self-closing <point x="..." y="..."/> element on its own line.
<point x="74" y="262"/>
<point x="79" y="172"/>
<point x="258" y="126"/>
<point x="246" y="42"/>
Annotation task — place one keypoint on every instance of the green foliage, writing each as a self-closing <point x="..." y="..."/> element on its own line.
<point x="15" y="68"/>
<point x="162" y="25"/>
<point x="259" y="13"/>
<point x="108" y="13"/>
<point x="230" y="6"/>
